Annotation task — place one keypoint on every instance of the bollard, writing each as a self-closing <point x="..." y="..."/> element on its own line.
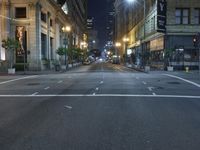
<point x="187" y="69"/>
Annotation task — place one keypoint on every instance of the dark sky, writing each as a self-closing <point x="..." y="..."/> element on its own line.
<point x="98" y="10"/>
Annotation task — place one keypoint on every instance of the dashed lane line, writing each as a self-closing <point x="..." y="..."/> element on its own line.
<point x="34" y="94"/>
<point x="59" y="82"/>
<point x="144" y="82"/>
<point x="47" y="88"/>
<point x="154" y="93"/>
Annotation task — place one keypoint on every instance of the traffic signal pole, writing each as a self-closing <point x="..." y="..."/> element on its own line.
<point x="196" y="43"/>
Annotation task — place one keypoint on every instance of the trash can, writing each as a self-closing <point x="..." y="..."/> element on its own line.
<point x="57" y="67"/>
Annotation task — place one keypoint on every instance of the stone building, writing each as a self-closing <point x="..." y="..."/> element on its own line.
<point x="168" y="25"/>
<point x="38" y="24"/>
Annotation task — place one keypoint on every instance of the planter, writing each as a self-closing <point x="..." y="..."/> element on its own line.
<point x="147" y="68"/>
<point x="70" y="65"/>
<point x="169" y="68"/>
<point x="11" y="71"/>
<point x="63" y="67"/>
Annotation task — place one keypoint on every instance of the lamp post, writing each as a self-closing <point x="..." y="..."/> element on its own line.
<point x="66" y="30"/>
<point x="117" y="45"/>
<point x="126" y="40"/>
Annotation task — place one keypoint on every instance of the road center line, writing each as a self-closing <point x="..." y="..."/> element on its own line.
<point x="18" y="79"/>
<point x="185" y="80"/>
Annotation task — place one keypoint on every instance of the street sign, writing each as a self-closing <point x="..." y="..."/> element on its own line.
<point x="161" y="15"/>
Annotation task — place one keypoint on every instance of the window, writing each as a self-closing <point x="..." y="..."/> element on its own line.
<point x="20" y="12"/>
<point x="51" y="22"/>
<point x="43" y="45"/>
<point x="197" y="16"/>
<point x="182" y="16"/>
<point x="43" y="17"/>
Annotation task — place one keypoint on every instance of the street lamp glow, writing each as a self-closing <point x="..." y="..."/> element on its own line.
<point x="130" y="1"/>
<point x="66" y="29"/>
<point x="118" y="44"/>
<point x="125" y="39"/>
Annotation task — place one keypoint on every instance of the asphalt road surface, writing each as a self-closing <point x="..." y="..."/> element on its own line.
<point x="99" y="107"/>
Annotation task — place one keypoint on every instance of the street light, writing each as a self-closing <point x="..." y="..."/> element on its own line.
<point x="66" y="30"/>
<point x="125" y="40"/>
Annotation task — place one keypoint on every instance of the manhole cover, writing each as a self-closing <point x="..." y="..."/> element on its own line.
<point x="174" y="83"/>
<point x="160" y="88"/>
<point x="32" y="84"/>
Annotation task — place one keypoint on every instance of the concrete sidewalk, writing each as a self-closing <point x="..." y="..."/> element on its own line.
<point x="43" y="72"/>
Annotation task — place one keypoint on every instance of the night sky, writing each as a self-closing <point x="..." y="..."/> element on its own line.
<point x="99" y="9"/>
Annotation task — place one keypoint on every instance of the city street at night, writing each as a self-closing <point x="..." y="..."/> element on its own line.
<point x="99" y="106"/>
<point x="99" y="74"/>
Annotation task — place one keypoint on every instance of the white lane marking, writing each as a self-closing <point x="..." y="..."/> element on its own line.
<point x="144" y="82"/>
<point x="188" y="81"/>
<point x="101" y="82"/>
<point x="154" y="93"/>
<point x="18" y="79"/>
<point x="105" y="95"/>
<point x="47" y="88"/>
<point x="68" y="107"/>
<point x="60" y="82"/>
<point x="150" y="89"/>
<point x="34" y="93"/>
<point x="97" y="89"/>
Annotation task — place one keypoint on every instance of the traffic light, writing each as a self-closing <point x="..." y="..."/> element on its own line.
<point x="195" y="41"/>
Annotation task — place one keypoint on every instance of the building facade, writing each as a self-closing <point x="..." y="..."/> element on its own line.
<point x="157" y="26"/>
<point x="92" y="34"/>
<point x="37" y="25"/>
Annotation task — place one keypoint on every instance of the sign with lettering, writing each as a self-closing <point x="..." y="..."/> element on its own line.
<point x="161" y="15"/>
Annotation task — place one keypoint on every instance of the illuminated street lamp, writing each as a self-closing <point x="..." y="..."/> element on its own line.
<point x="117" y="45"/>
<point x="66" y="30"/>
<point x="126" y="40"/>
